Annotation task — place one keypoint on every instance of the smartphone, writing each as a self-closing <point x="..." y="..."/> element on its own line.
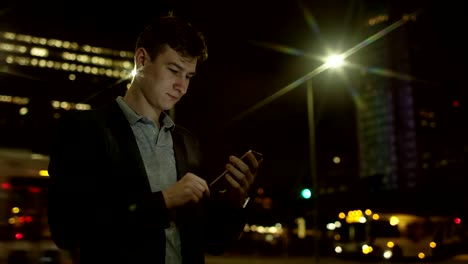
<point x="258" y="156"/>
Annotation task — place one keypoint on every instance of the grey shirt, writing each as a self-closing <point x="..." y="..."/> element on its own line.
<point x="157" y="152"/>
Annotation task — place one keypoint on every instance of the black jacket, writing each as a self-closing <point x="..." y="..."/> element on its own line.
<point x="100" y="198"/>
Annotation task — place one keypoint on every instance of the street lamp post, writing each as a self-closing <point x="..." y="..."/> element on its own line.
<point x="333" y="61"/>
<point x="312" y="162"/>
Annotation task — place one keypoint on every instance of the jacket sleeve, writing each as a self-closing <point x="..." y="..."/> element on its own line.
<point x="225" y="224"/>
<point x="219" y="223"/>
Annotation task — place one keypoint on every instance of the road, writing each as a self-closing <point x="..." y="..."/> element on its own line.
<point x="311" y="260"/>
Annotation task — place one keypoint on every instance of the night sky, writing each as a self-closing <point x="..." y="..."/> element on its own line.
<point x="240" y="73"/>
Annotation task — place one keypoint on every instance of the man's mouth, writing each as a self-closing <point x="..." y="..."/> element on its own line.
<point x="173" y="97"/>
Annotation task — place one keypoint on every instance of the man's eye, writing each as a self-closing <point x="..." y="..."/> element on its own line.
<point x="173" y="71"/>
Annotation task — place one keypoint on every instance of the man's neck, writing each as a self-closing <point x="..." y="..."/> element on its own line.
<point x="140" y="105"/>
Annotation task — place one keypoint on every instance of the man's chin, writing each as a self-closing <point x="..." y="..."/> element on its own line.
<point x="169" y="107"/>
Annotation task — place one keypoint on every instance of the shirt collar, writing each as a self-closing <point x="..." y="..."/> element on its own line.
<point x="166" y="121"/>
<point x="133" y="117"/>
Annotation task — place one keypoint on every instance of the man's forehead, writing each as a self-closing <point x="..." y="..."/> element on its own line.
<point x="167" y="50"/>
<point x="186" y="59"/>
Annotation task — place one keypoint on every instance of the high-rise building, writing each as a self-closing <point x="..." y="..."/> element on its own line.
<point x="410" y="120"/>
<point x="386" y="122"/>
<point x="42" y="77"/>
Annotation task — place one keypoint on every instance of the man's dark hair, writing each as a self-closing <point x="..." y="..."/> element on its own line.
<point x="176" y="32"/>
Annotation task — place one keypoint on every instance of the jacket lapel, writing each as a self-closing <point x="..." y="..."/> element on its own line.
<point x="123" y="136"/>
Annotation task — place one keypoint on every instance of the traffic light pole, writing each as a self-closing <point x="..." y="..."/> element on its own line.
<point x="313" y="168"/>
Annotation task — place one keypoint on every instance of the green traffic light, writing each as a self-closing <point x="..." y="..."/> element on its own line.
<point x="306" y="193"/>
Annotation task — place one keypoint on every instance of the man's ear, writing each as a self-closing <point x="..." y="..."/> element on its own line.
<point x="140" y="57"/>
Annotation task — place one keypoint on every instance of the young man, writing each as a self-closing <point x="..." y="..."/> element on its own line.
<point x="126" y="183"/>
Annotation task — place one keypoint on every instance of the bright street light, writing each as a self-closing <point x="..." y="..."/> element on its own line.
<point x="334" y="61"/>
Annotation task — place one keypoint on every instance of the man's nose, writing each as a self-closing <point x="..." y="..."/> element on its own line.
<point x="182" y="85"/>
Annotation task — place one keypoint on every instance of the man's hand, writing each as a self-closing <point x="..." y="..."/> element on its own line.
<point x="241" y="176"/>
<point x="190" y="188"/>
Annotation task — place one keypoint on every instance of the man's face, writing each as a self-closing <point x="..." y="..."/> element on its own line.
<point x="166" y="79"/>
